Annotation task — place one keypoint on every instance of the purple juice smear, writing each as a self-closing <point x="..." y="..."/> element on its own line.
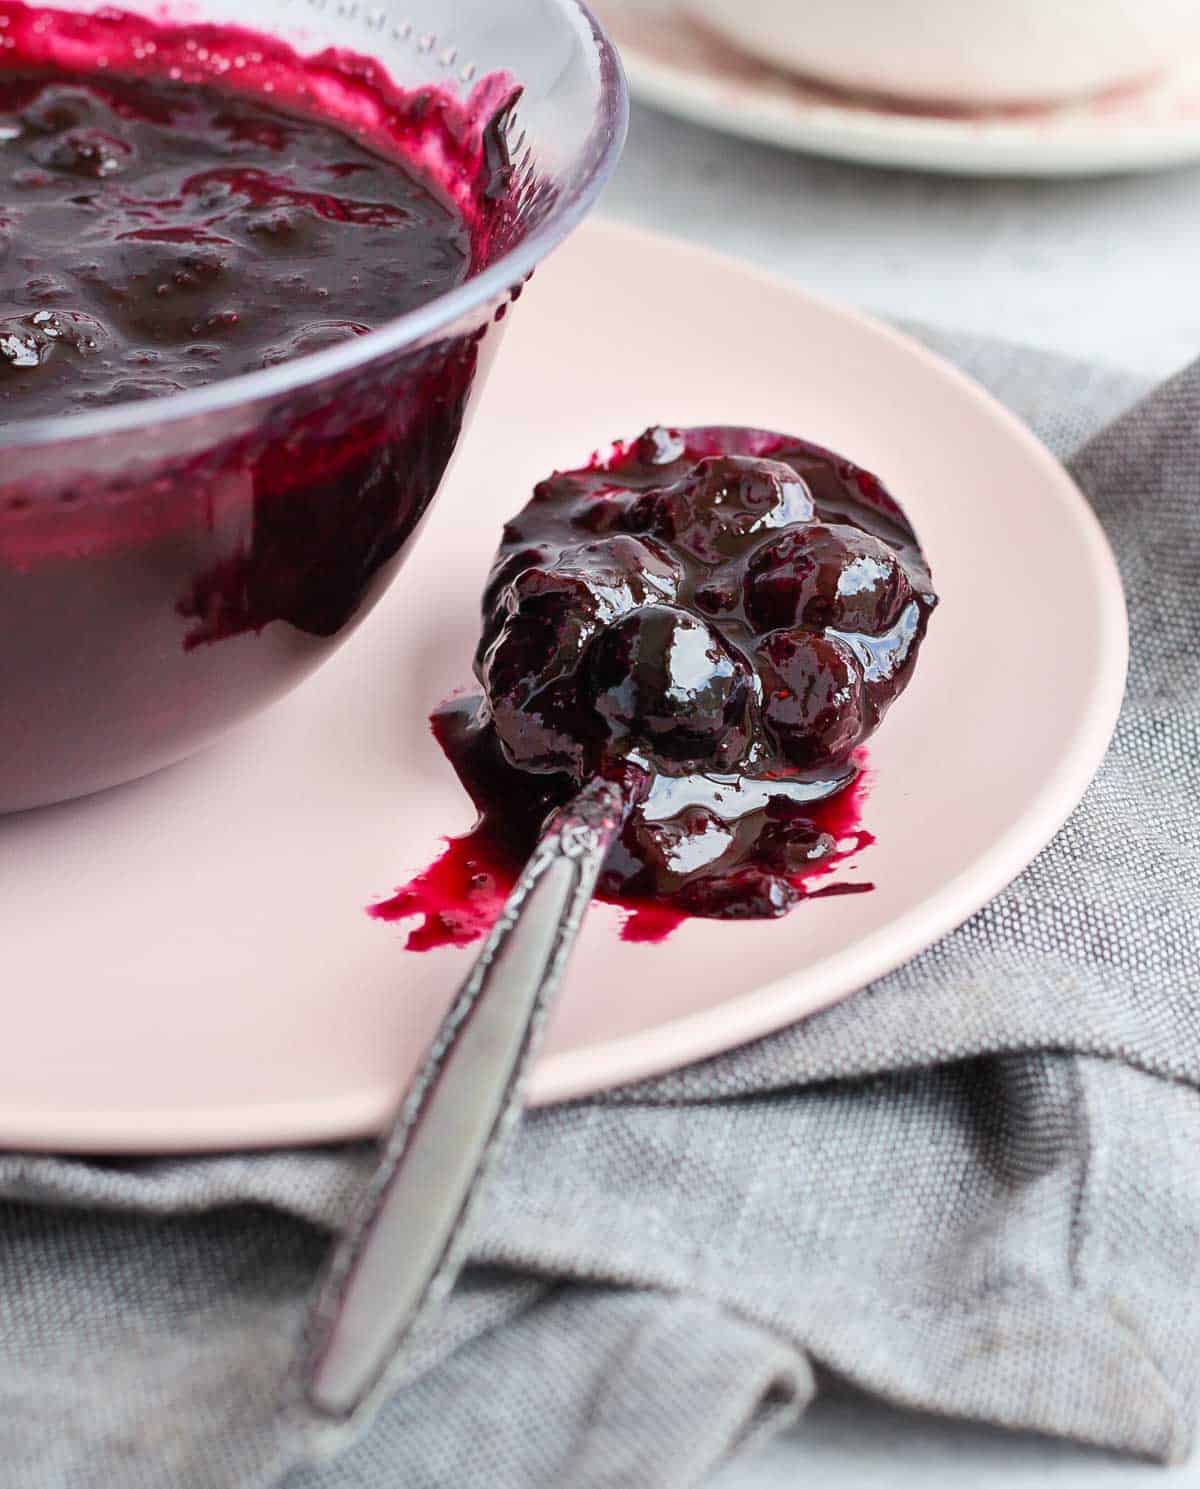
<point x="458" y="897"/>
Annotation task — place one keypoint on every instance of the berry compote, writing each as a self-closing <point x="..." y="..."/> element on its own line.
<point x="731" y="611"/>
<point x="158" y="235"/>
<point x="181" y="205"/>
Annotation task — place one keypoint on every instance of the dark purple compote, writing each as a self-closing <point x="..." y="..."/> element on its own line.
<point x="159" y="235"/>
<point x="181" y="205"/>
<point x="729" y="612"/>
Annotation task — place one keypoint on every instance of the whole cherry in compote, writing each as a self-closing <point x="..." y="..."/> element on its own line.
<point x="727" y="611"/>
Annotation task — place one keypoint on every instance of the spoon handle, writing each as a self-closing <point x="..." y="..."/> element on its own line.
<point x="408" y="1231"/>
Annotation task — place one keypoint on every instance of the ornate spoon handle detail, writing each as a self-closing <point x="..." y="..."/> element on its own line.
<point x="408" y="1233"/>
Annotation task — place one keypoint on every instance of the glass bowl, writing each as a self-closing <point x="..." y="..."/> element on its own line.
<point x="170" y="566"/>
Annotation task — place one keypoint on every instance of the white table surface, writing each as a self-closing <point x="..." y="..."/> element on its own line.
<point x="1105" y="269"/>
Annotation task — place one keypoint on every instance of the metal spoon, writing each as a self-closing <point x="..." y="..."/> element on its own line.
<point x="408" y="1233"/>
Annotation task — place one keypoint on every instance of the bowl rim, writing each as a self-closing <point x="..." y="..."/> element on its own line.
<point x="607" y="137"/>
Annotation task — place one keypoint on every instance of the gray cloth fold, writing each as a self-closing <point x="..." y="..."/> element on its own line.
<point x="974" y="1188"/>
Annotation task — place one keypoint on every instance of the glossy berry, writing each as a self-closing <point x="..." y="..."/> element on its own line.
<point x="812" y="696"/>
<point x="544" y="619"/>
<point x="508" y="564"/>
<point x="28" y="342"/>
<point x="546" y="626"/>
<point x="688" y="843"/>
<point x="57" y="107"/>
<point x="790" y="841"/>
<point x="313" y="338"/>
<point x="581" y="587"/>
<point x="733" y="610"/>
<point x="526" y="674"/>
<point x="721" y="502"/>
<point x="821" y="576"/>
<point x="84" y="152"/>
<point x="663" y="679"/>
<point x="622" y="572"/>
<point x="750" y="893"/>
<point x="736" y="546"/>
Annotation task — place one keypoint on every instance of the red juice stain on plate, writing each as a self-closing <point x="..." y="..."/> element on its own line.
<point x="650" y="924"/>
<point x="457" y="898"/>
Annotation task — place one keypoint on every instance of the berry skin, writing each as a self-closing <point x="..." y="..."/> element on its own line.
<point x="693" y="840"/>
<point x="527" y="670"/>
<point x="593" y="582"/>
<point x="624" y="572"/>
<point x="681" y="547"/>
<point x="789" y="840"/>
<point x="820" y="576"/>
<point x="30" y="341"/>
<point x="59" y="107"/>
<point x="722" y="501"/>
<point x="749" y="893"/>
<point x="90" y="153"/>
<point x="507" y="565"/>
<point x="813" y="701"/>
<point x="545" y="617"/>
<point x="662" y="678"/>
<point x="313" y="338"/>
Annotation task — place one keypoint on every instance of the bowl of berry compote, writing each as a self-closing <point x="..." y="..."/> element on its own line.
<point x="250" y="283"/>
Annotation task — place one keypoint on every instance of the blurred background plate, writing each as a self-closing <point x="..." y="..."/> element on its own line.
<point x="677" y="65"/>
<point x="188" y="961"/>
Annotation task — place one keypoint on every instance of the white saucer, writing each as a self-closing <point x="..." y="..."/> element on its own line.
<point x="188" y="961"/>
<point x="677" y="65"/>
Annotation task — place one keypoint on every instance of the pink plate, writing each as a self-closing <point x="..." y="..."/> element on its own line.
<point x="188" y="961"/>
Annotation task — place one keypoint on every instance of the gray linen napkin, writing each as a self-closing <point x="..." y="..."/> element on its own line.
<point x="973" y="1188"/>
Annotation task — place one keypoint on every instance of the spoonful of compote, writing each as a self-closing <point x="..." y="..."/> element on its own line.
<point x="684" y="645"/>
